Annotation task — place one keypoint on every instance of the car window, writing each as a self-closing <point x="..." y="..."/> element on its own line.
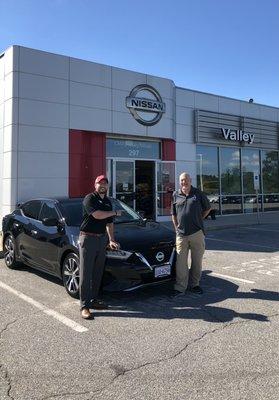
<point x="128" y="214"/>
<point x="48" y="211"/>
<point x="72" y="212"/>
<point x="31" y="209"/>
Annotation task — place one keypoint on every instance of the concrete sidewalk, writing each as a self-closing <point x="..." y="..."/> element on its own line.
<point x="233" y="221"/>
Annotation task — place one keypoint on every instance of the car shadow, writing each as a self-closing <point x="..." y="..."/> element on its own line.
<point x="158" y="303"/>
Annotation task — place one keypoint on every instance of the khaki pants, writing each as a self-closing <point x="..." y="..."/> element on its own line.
<point x="196" y="244"/>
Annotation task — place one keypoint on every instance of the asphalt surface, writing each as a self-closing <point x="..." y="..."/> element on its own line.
<point x="221" y="345"/>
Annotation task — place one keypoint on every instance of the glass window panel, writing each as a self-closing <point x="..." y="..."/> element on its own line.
<point x="166" y="177"/>
<point x="207" y="170"/>
<point x="271" y="202"/>
<point x="250" y="204"/>
<point x="270" y="171"/>
<point x="250" y="161"/>
<point x="109" y="175"/>
<point x="48" y="211"/>
<point x="208" y="174"/>
<point x="164" y="203"/>
<point x="124" y="176"/>
<point x="32" y="208"/>
<point x="165" y="186"/>
<point x="231" y="204"/>
<point x="230" y="170"/>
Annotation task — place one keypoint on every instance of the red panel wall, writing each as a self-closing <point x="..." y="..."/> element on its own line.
<point x="168" y="150"/>
<point x="87" y="159"/>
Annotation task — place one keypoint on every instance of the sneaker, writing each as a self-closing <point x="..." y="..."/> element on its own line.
<point x="196" y="289"/>
<point x="98" y="305"/>
<point x="86" y="314"/>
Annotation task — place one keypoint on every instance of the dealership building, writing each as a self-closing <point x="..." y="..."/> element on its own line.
<point x="63" y="121"/>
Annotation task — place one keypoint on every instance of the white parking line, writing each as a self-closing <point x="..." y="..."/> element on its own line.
<point x="231" y="277"/>
<point x="61" y="318"/>
<point x="247" y="243"/>
<point x="263" y="230"/>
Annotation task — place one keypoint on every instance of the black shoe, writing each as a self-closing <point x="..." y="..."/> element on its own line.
<point x="98" y="305"/>
<point x="176" y="293"/>
<point x="196" y="290"/>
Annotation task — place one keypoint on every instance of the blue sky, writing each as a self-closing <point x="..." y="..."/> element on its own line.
<point x="225" y="47"/>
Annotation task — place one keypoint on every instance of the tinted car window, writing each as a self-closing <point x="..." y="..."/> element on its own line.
<point x="48" y="211"/>
<point x="128" y="215"/>
<point x="32" y="208"/>
<point x="72" y="212"/>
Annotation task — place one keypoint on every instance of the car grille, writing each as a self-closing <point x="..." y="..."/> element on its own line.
<point x="158" y="255"/>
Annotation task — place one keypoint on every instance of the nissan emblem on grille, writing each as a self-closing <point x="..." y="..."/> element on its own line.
<point x="160" y="256"/>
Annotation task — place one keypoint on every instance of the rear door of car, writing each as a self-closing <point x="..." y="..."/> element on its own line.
<point x="28" y="237"/>
<point x="49" y="238"/>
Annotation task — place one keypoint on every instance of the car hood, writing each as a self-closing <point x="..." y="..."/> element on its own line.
<point x="137" y="237"/>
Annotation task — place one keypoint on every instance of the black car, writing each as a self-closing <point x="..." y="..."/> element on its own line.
<point x="43" y="233"/>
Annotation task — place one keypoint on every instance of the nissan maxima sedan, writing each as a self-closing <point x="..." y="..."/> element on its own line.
<point x="43" y="234"/>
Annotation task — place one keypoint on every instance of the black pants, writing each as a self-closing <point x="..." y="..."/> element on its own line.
<point x="92" y="254"/>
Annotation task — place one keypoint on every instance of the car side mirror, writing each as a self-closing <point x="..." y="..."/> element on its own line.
<point x="50" y="221"/>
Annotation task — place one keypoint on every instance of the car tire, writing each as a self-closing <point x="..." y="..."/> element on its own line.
<point x="70" y="274"/>
<point x="10" y="255"/>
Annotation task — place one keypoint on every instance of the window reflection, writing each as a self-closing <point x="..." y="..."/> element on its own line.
<point x="208" y="175"/>
<point x="250" y="204"/>
<point x="250" y="161"/>
<point x="270" y="168"/>
<point x="165" y="186"/>
<point x="231" y="204"/>
<point x="233" y="199"/>
<point x="230" y="171"/>
<point x="271" y="202"/>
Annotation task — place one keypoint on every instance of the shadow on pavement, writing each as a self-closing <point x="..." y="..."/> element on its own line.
<point x="158" y="302"/>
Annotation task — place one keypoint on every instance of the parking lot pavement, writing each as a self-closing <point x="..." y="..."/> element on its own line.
<point x="147" y="345"/>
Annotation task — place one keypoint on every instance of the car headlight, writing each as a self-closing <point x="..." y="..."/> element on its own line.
<point x="118" y="254"/>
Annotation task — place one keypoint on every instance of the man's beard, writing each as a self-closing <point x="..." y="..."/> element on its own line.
<point x="102" y="190"/>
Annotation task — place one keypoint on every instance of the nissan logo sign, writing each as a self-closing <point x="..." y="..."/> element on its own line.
<point x="160" y="256"/>
<point x="146" y="105"/>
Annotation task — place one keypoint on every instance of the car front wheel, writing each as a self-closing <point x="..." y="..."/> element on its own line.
<point x="70" y="275"/>
<point x="10" y="252"/>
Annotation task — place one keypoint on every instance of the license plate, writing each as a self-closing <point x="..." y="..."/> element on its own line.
<point x="162" y="271"/>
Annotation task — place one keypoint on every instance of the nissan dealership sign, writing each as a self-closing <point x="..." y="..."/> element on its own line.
<point x="146" y="105"/>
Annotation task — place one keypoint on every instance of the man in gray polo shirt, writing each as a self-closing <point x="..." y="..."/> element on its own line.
<point x="189" y="208"/>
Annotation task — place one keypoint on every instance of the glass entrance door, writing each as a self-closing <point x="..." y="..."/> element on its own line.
<point x="124" y="179"/>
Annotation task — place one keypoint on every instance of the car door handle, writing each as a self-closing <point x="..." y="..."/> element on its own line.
<point x="34" y="232"/>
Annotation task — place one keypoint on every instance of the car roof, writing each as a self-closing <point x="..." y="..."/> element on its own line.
<point x="55" y="199"/>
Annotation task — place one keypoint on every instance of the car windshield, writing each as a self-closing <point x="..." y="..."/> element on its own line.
<point x="72" y="212"/>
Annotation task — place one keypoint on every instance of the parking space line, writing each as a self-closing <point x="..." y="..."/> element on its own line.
<point x="263" y="230"/>
<point x="61" y="318"/>
<point x="246" y="243"/>
<point x="231" y="277"/>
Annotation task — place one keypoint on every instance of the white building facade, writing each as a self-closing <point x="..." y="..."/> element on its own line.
<point x="64" y="121"/>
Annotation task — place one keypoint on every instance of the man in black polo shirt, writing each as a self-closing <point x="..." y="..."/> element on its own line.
<point x="95" y="231"/>
<point x="189" y="208"/>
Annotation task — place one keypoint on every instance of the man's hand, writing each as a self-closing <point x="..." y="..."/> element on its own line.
<point x="118" y="213"/>
<point x="114" y="245"/>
